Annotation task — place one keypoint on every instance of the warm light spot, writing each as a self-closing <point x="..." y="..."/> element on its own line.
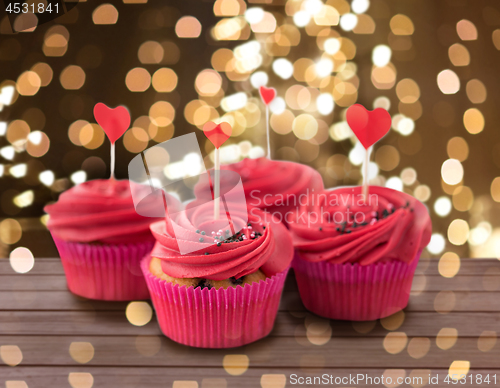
<point x="393" y="375"/>
<point x="457" y="148"/>
<point x="384" y="77"/>
<point x="458" y="232"/>
<point x="74" y="131"/>
<point x="381" y="55"/>
<point x="496" y="38"/>
<point x="363" y="327"/>
<point x="418" y="347"/>
<point x="318" y="331"/>
<point x="81" y="380"/>
<point x="235" y="364"/>
<point x="17" y="130"/>
<point x="366" y="25"/>
<point x="459" y="55"/>
<point x="273" y="381"/>
<point x="422" y="193"/>
<point x="473" y="121"/>
<point x="138" y="80"/>
<point x="449" y="264"/>
<point x="139" y="313"/>
<point x="208" y="82"/>
<point x="229" y="7"/>
<point x="327" y="16"/>
<point x="444" y="302"/>
<point x="282" y="123"/>
<point x="162" y="113"/>
<point x="15" y="384"/>
<point x="495" y="189"/>
<point x="148" y="345"/>
<point x="22" y="260"/>
<point x="452" y="172"/>
<point x="185" y="384"/>
<point x="38" y="144"/>
<point x="442" y="206"/>
<point x="72" y="77"/>
<point x="407" y="91"/>
<point x="387" y="157"/>
<point x="448" y="82"/>
<point x="164" y="80"/>
<point x="91" y="136"/>
<point x="44" y="71"/>
<point x="221" y="58"/>
<point x="266" y="25"/>
<point x="446" y="338"/>
<point x="150" y="52"/>
<point x="105" y="14"/>
<point x="11" y="355"/>
<point x="463" y="198"/>
<point x="81" y="352"/>
<point x="487" y="341"/>
<point x="395" y="342"/>
<point x="188" y="27"/>
<point x="476" y="91"/>
<point x="459" y="370"/>
<point x="305" y="126"/>
<point x="394" y="321"/>
<point x="10" y="231"/>
<point x="401" y="25"/>
<point x="28" y="83"/>
<point x="466" y="30"/>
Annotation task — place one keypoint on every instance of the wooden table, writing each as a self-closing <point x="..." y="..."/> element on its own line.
<point x="55" y="339"/>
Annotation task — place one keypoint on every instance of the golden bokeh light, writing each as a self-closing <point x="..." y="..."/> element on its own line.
<point x="458" y="232"/>
<point x="459" y="369"/>
<point x="11" y="355"/>
<point x="401" y="25"/>
<point x="138" y="80"/>
<point x="448" y="82"/>
<point x="495" y="189"/>
<point x="81" y="380"/>
<point x="476" y="91"/>
<point x="473" y="121"/>
<point x="418" y="347"/>
<point x="10" y="231"/>
<point x="408" y="91"/>
<point x="449" y="264"/>
<point x="463" y="198"/>
<point x="446" y="338"/>
<point x="28" y="83"/>
<point x="459" y="55"/>
<point x="15" y="384"/>
<point x="395" y="342"/>
<point x="81" y="352"/>
<point x="164" y="80"/>
<point x="444" y="302"/>
<point x="72" y="77"/>
<point x="394" y="321"/>
<point x="487" y="341"/>
<point x="150" y="52"/>
<point x="466" y="30"/>
<point x="452" y="171"/>
<point x="208" y="83"/>
<point x="44" y="71"/>
<point x="139" y="313"/>
<point x="387" y="157"/>
<point x="188" y="27"/>
<point x="273" y="381"/>
<point x="305" y="126"/>
<point x="235" y="364"/>
<point x="105" y="14"/>
<point x="91" y="136"/>
<point x="457" y="148"/>
<point x="21" y="260"/>
<point x="162" y="113"/>
<point x="185" y="384"/>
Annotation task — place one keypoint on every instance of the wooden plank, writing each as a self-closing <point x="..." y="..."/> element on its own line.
<point x="52" y="266"/>
<point x="489" y="282"/>
<point x="63" y="300"/>
<point x="112" y="323"/>
<point x="270" y="352"/>
<point x="161" y="377"/>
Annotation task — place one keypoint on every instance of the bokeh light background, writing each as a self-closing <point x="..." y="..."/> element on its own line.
<point x="178" y="64"/>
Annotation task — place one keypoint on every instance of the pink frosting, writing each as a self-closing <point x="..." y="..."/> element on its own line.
<point x="338" y="227"/>
<point x="272" y="252"/>
<point x="276" y="185"/>
<point x="98" y="211"/>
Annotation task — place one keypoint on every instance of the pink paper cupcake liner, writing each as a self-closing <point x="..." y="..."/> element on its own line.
<point x="211" y="318"/>
<point x="105" y="272"/>
<point x="354" y="292"/>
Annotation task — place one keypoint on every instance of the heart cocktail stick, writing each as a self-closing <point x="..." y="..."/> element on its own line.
<point x="369" y="127"/>
<point x="267" y="95"/>
<point x="114" y="123"/>
<point x="217" y="134"/>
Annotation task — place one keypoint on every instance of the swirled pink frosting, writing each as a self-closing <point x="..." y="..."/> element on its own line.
<point x="98" y="211"/>
<point x="276" y="186"/>
<point x="337" y="226"/>
<point x="272" y="252"/>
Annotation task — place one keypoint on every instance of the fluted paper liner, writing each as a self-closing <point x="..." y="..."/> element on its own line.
<point x="211" y="318"/>
<point x="354" y="292"/>
<point x="105" y="272"/>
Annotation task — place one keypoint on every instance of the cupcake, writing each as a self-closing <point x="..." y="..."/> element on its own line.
<point x="356" y="260"/>
<point x="101" y="240"/>
<point x="276" y="186"/>
<point x="226" y="291"/>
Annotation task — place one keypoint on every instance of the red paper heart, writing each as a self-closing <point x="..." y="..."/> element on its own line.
<point x="267" y="94"/>
<point x="368" y="126"/>
<point x="114" y="122"/>
<point x="217" y="133"/>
